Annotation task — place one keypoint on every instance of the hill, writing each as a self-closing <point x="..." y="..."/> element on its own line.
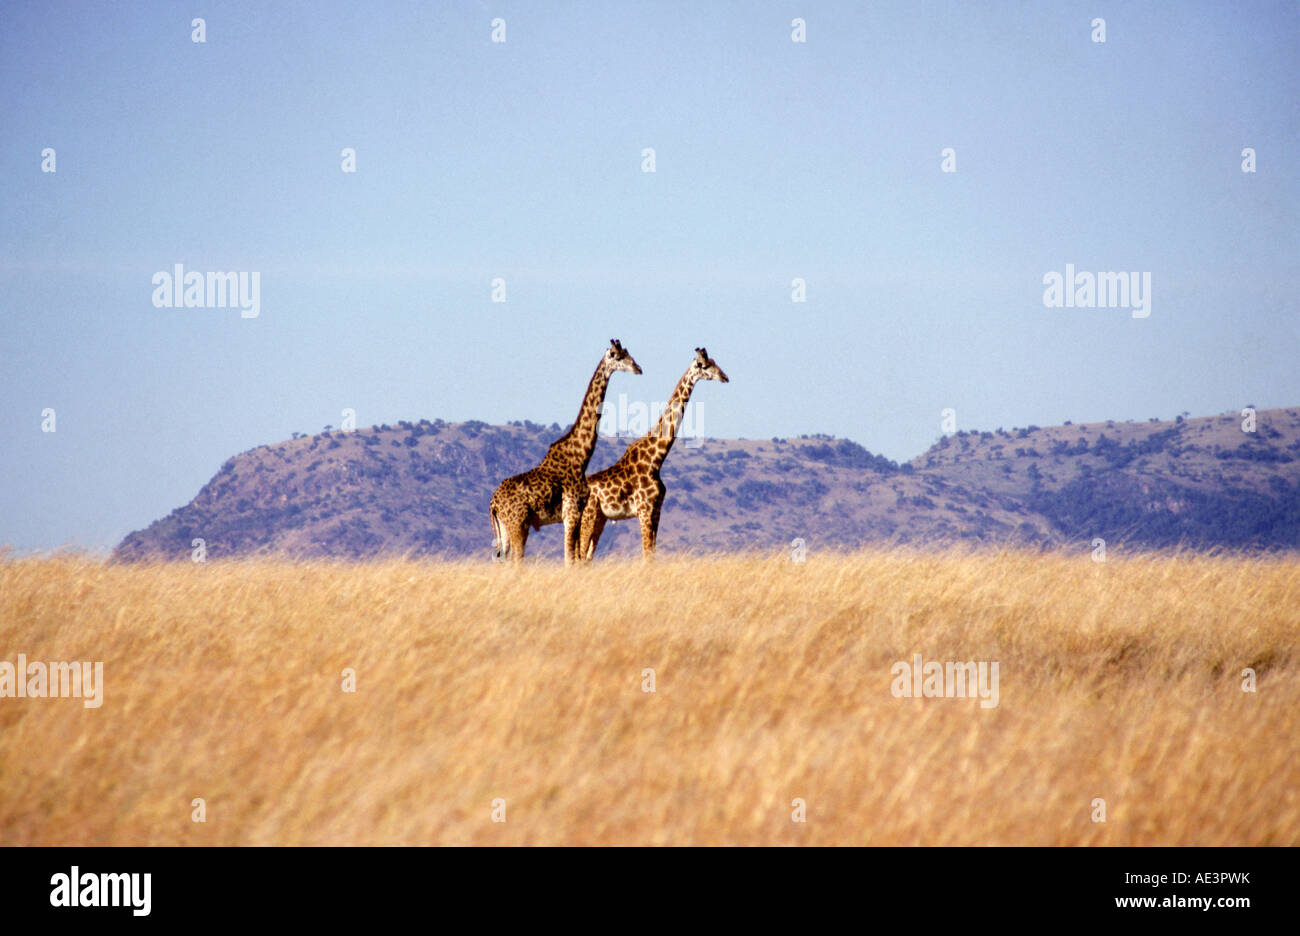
<point x="423" y="489"/>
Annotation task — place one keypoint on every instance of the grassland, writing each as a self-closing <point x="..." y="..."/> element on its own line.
<point x="477" y="682"/>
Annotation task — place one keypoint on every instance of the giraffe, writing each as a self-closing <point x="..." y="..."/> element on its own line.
<point x="631" y="487"/>
<point x="556" y="490"/>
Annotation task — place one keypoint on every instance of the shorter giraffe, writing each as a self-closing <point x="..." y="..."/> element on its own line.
<point x="556" y="490"/>
<point x="631" y="487"/>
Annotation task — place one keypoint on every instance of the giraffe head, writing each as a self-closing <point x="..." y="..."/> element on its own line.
<point x="705" y="368"/>
<point x="617" y="358"/>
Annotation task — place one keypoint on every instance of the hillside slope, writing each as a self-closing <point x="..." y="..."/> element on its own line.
<point x="423" y="489"/>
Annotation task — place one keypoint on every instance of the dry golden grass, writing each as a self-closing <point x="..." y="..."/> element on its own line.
<point x="476" y="681"/>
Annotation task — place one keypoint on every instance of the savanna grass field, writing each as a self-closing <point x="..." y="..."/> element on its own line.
<point x="485" y="692"/>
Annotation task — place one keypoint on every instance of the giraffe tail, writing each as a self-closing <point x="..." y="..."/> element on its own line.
<point x="498" y="536"/>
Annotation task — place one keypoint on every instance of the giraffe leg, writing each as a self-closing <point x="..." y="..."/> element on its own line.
<point x="592" y="537"/>
<point x="650" y="528"/>
<point x="572" y="509"/>
<point x="586" y="547"/>
<point x="518" y="535"/>
<point x="647" y="535"/>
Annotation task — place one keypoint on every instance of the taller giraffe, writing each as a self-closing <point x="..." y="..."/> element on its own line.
<point x="631" y="487"/>
<point x="556" y="490"/>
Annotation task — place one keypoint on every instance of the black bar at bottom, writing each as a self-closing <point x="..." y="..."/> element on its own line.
<point x="647" y="887"/>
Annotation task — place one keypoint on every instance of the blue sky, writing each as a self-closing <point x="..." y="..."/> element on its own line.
<point x="522" y="160"/>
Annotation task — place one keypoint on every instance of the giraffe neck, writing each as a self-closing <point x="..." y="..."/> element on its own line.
<point x="580" y="441"/>
<point x="665" y="432"/>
